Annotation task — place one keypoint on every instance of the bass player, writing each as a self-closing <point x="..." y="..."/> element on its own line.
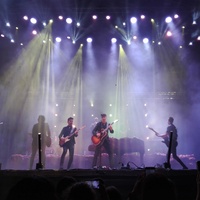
<point x="69" y="145"/>
<point x="100" y="126"/>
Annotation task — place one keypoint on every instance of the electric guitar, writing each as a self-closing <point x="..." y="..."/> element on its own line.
<point x="66" y="139"/>
<point x="165" y="139"/>
<point x="99" y="140"/>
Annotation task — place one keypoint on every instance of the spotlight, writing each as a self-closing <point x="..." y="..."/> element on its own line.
<point x="110" y="115"/>
<point x="58" y="39"/>
<point x="190" y="43"/>
<point x="116" y="27"/>
<point x="34" y="32"/>
<point x="168" y="20"/>
<point x="147" y="126"/>
<point x="92" y="105"/>
<point x="94" y="17"/>
<point x="21" y="44"/>
<point x="129" y="42"/>
<point x="44" y="23"/>
<point x="194" y="22"/>
<point x="107" y="17"/>
<point x="147" y="138"/>
<point x="152" y="20"/>
<point x="12" y="41"/>
<point x="68" y="37"/>
<point x="159" y="43"/>
<point x="25" y="17"/>
<point x="145" y="104"/>
<point x="110" y="105"/>
<point x="51" y="21"/>
<point x="146" y="115"/>
<point x="2" y="35"/>
<point x="44" y="41"/>
<point x="113" y="40"/>
<point x="169" y="33"/>
<point x="56" y="115"/>
<point x="198" y="38"/>
<point x="33" y="20"/>
<point x="60" y="17"/>
<point x="69" y="20"/>
<point x="78" y="24"/>
<point x="133" y="20"/>
<point x="176" y="16"/>
<point x="183" y="27"/>
<point x="74" y="115"/>
<point x="16" y="28"/>
<point x="8" y="24"/>
<point x="124" y="23"/>
<point x="57" y="105"/>
<point x="73" y="41"/>
<point x="142" y="16"/>
<point x="135" y="37"/>
<point x="181" y="47"/>
<point x="145" y="40"/>
<point x="89" y="40"/>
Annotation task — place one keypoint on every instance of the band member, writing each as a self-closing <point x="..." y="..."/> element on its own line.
<point x="43" y="128"/>
<point x="166" y="137"/>
<point x="106" y="143"/>
<point x="94" y="123"/>
<point x="66" y="131"/>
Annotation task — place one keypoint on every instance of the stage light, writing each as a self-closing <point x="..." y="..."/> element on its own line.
<point x="74" y="115"/>
<point x="152" y="21"/>
<point x="81" y="45"/>
<point x="57" y="105"/>
<point x="74" y="105"/>
<point x="142" y="16"/>
<point x="25" y="17"/>
<point x="183" y="27"/>
<point x="89" y="40"/>
<point x="60" y="17"/>
<point x="147" y="126"/>
<point x="169" y="33"/>
<point x="8" y="24"/>
<point x="16" y="28"/>
<point x="73" y="41"/>
<point x="51" y="21"/>
<point x="129" y="42"/>
<point x="92" y="105"/>
<point x="110" y="115"/>
<point x="124" y="24"/>
<point x="145" y="105"/>
<point x="146" y="115"/>
<point x="107" y="17"/>
<point x="69" y="20"/>
<point x="159" y="43"/>
<point x="33" y="20"/>
<point x="148" y="149"/>
<point x="194" y="22"/>
<point x="145" y="40"/>
<point x="147" y="138"/>
<point x="12" y="41"/>
<point x="44" y="23"/>
<point x="34" y="32"/>
<point x="78" y="24"/>
<point x="126" y="104"/>
<point x="21" y="44"/>
<point x="2" y="35"/>
<point x="92" y="115"/>
<point x="135" y="37"/>
<point x="94" y="17"/>
<point x="133" y="20"/>
<point x="116" y="27"/>
<point x="181" y="47"/>
<point x="168" y="20"/>
<point x="190" y="43"/>
<point x="110" y="105"/>
<point x="68" y="37"/>
<point x="113" y="40"/>
<point x="55" y="126"/>
<point x="56" y="115"/>
<point x="44" y="41"/>
<point x="176" y="16"/>
<point x="58" y="39"/>
<point x="153" y="41"/>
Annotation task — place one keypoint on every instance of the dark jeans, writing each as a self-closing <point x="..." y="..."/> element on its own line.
<point x="174" y="155"/>
<point x="71" y="155"/>
<point x="34" y="151"/>
<point x="107" y="146"/>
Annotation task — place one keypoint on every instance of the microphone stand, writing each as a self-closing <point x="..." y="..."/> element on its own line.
<point x="39" y="165"/>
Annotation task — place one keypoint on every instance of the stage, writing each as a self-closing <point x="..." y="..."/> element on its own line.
<point x="124" y="179"/>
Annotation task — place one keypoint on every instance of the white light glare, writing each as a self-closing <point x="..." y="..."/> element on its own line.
<point x="190" y="43"/>
<point x="8" y="24"/>
<point x="168" y="19"/>
<point x="159" y="43"/>
<point x="142" y="16"/>
<point x="129" y="42"/>
<point x="78" y="24"/>
<point x="169" y="33"/>
<point x="58" y="39"/>
<point x="133" y="20"/>
<point x="34" y="32"/>
<point x="89" y="40"/>
<point x="176" y="16"/>
<point x="12" y="41"/>
<point x="25" y="17"/>
<point x="69" y="20"/>
<point x="60" y="17"/>
<point x="44" y="23"/>
<point x="135" y="37"/>
<point x="33" y="20"/>
<point x="2" y="35"/>
<point x="194" y="22"/>
<point x="107" y="17"/>
<point x="94" y="17"/>
<point x="145" y="40"/>
<point x="198" y="38"/>
<point x="113" y="40"/>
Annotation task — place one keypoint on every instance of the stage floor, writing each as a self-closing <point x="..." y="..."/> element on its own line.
<point x="124" y="180"/>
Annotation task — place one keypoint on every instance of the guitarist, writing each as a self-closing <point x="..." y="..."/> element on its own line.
<point x="106" y="143"/>
<point x="166" y="137"/>
<point x="66" y="131"/>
